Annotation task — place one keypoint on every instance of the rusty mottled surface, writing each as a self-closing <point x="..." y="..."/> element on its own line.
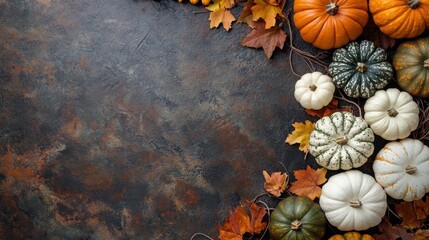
<point x="133" y="120"/>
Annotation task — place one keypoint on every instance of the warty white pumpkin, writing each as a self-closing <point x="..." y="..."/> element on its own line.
<point x="341" y="141"/>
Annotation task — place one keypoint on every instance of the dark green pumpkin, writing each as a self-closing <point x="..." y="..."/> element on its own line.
<point x="360" y="69"/>
<point x="411" y="64"/>
<point x="297" y="218"/>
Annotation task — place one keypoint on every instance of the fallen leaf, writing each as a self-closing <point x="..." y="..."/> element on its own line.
<point x="276" y="183"/>
<point x="372" y="32"/>
<point x="421" y="234"/>
<point x="301" y="135"/>
<point x="308" y="182"/>
<point x="392" y="232"/>
<point x="240" y="222"/>
<point x="246" y="15"/>
<point x="325" y="111"/>
<point x="267" y="11"/>
<point x="412" y="213"/>
<point x="257" y="215"/>
<point x="268" y="39"/>
<point x="421" y="208"/>
<point x="220" y="13"/>
<point x="236" y="226"/>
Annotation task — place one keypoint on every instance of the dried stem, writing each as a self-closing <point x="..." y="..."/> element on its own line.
<point x="268" y="212"/>
<point x="258" y="196"/>
<point x="309" y="58"/>
<point x="422" y="131"/>
<point x="201" y="234"/>
<point x="342" y="97"/>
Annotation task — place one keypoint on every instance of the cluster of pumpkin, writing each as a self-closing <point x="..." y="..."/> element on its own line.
<point x="332" y="24"/>
<point x="352" y="200"/>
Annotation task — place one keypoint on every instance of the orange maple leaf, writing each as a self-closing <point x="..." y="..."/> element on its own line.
<point x="246" y="15"/>
<point x="413" y="213"/>
<point x="220" y="13"/>
<point x="301" y="135"/>
<point x="421" y="234"/>
<point x="236" y="225"/>
<point x="308" y="182"/>
<point x="276" y="183"/>
<point x="266" y="11"/>
<point x="257" y="214"/>
<point x="239" y="222"/>
<point x="268" y="39"/>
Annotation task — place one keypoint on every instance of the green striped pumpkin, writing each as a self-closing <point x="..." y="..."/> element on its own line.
<point x="296" y="218"/>
<point x="341" y="140"/>
<point x="360" y="69"/>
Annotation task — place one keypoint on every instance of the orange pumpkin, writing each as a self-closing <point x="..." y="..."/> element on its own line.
<point x="351" y="236"/>
<point x="400" y="18"/>
<point x="330" y="24"/>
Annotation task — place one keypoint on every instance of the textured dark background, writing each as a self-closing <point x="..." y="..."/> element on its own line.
<point x="127" y="119"/>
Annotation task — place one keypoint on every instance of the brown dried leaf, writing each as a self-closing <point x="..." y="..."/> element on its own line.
<point x="392" y="232"/>
<point x="276" y="183"/>
<point x="268" y="39"/>
<point x="308" y="182"/>
<point x="246" y="15"/>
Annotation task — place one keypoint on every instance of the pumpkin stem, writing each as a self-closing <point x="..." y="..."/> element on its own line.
<point x="341" y="140"/>
<point x="392" y="112"/>
<point x="355" y="203"/>
<point x="413" y="3"/>
<point x="361" y="67"/>
<point x="295" y="225"/>
<point x="426" y="63"/>
<point x="332" y="8"/>
<point x="312" y="87"/>
<point x="410" y="169"/>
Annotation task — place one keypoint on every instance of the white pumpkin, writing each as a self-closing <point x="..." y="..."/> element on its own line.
<point x="392" y="114"/>
<point x="353" y="200"/>
<point x="341" y="141"/>
<point x="402" y="169"/>
<point x="314" y="90"/>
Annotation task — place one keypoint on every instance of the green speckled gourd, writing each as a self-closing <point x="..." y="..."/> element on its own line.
<point x="360" y="69"/>
<point x="411" y="63"/>
<point x="297" y="218"/>
<point x="341" y="140"/>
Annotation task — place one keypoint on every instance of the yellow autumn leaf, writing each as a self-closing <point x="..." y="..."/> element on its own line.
<point x="301" y="135"/>
<point x="220" y="13"/>
<point x="266" y="11"/>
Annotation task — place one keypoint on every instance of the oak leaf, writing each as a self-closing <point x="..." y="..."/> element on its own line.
<point x="268" y="39"/>
<point x="308" y="182"/>
<point x="421" y="234"/>
<point x="240" y="222"/>
<point x="413" y="213"/>
<point x="246" y="15"/>
<point x="301" y="135"/>
<point x="325" y="111"/>
<point x="220" y="13"/>
<point x="276" y="183"/>
<point x="392" y="232"/>
<point x="268" y="11"/>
